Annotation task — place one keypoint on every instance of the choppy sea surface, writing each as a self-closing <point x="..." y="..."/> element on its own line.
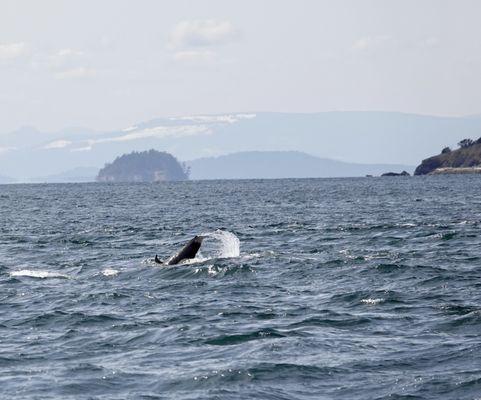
<point x="304" y="289"/>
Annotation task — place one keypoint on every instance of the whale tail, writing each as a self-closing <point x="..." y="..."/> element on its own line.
<point x="189" y="251"/>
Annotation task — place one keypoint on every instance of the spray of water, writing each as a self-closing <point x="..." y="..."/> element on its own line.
<point x="221" y="244"/>
<point x="216" y="244"/>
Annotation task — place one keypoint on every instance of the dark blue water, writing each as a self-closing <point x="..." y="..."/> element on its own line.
<point x="343" y="289"/>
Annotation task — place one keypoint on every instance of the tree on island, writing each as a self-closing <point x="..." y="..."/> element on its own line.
<point x="465" y="143"/>
<point x="145" y="166"/>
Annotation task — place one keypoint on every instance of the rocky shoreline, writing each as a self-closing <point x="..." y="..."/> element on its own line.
<point x="456" y="171"/>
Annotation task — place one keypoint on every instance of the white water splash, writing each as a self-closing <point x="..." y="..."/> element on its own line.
<point x="216" y="244"/>
<point x="372" y="301"/>
<point x="38" y="274"/>
<point x="228" y="244"/>
<point x="110" y="272"/>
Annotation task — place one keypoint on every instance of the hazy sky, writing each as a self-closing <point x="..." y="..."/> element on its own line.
<point x="106" y="64"/>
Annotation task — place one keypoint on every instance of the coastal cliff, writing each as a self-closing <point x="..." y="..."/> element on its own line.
<point x="146" y="166"/>
<point x="463" y="160"/>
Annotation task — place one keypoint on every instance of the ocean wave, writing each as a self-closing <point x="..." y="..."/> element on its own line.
<point x="110" y="272"/>
<point x="41" y="274"/>
<point x="215" y="269"/>
<point x="372" y="301"/>
<point x="227" y="340"/>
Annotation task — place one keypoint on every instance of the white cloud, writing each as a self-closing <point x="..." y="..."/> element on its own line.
<point x="86" y="148"/>
<point x="201" y="33"/>
<point x="430" y="42"/>
<point x="68" y="53"/>
<point x="62" y="59"/>
<point x="57" y="144"/>
<point x="371" y="42"/>
<point x="76" y="73"/>
<point x="6" y="149"/>
<point x="195" y="56"/>
<point x="106" y="41"/>
<point x="130" y="128"/>
<point x="11" y="51"/>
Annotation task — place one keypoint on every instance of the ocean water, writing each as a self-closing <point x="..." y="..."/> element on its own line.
<point x="305" y="289"/>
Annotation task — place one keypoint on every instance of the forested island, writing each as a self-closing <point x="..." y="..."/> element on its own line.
<point x="464" y="160"/>
<point x="145" y="166"/>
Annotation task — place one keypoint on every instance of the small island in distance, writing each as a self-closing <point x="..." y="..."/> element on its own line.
<point x="464" y="160"/>
<point x="403" y="173"/>
<point x="145" y="166"/>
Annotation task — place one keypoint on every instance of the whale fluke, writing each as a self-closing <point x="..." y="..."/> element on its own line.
<point x="189" y="251"/>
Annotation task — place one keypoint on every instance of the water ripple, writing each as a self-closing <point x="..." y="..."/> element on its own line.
<point x="338" y="289"/>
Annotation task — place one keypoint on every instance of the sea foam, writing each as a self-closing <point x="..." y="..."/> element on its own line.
<point x="37" y="274"/>
<point x="110" y="272"/>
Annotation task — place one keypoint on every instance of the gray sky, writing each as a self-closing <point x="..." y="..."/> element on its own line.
<point x="108" y="64"/>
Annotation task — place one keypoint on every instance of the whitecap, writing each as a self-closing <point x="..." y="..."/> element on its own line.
<point x="37" y="274"/>
<point x="213" y="271"/>
<point x="247" y="257"/>
<point x="110" y="272"/>
<point x="372" y="301"/>
<point x="196" y="260"/>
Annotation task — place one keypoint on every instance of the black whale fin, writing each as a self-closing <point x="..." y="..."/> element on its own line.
<point x="157" y="260"/>
<point x="189" y="251"/>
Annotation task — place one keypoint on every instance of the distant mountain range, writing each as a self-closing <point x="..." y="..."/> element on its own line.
<point x="354" y="137"/>
<point x="286" y="164"/>
<point x="248" y="165"/>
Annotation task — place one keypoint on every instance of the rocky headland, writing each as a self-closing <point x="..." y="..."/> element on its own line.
<point x="464" y="160"/>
